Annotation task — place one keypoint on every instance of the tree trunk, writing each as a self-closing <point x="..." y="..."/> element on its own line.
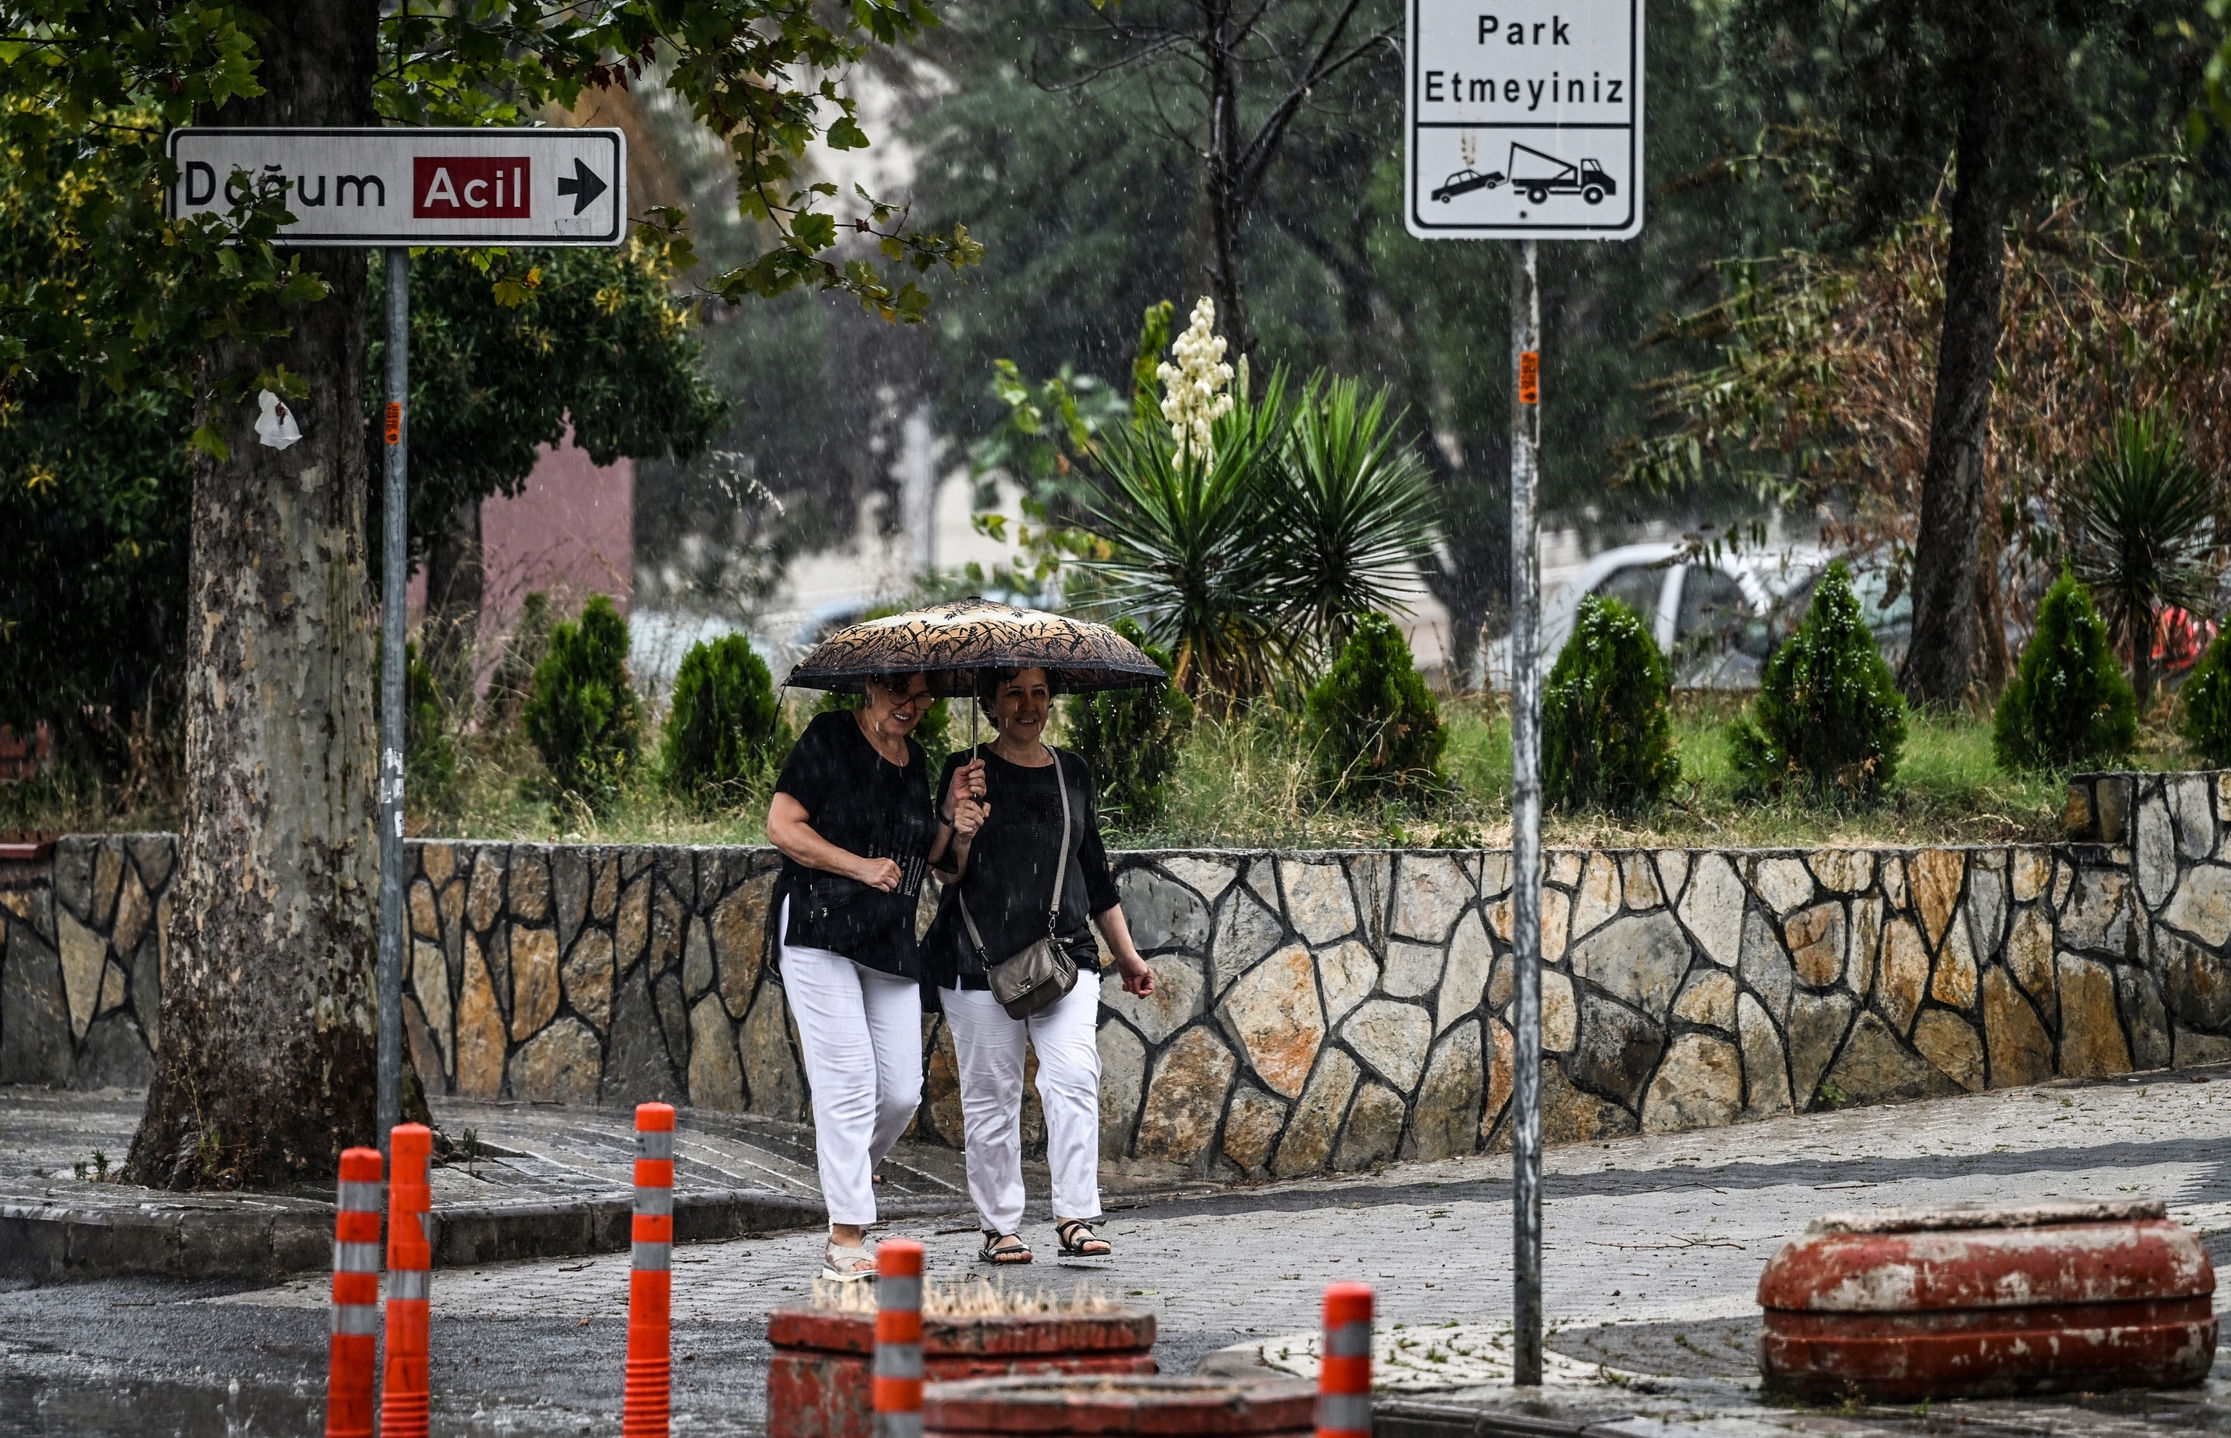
<point x="1221" y="183"/>
<point x="455" y="583"/>
<point x="1939" y="663"/>
<point x="266" y="1068"/>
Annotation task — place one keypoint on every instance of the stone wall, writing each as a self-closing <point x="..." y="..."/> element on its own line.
<point x="1317" y="1010"/>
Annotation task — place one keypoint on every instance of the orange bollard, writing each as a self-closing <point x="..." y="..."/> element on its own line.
<point x="1344" y="1367"/>
<point x="649" y="1400"/>
<point x="898" y="1339"/>
<point x="356" y="1297"/>
<point x="405" y="1391"/>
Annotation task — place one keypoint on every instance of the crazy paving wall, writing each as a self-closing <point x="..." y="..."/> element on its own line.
<point x="1316" y="1010"/>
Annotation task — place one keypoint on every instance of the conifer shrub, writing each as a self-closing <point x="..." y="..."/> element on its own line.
<point x="1376" y="731"/>
<point x="1607" y="720"/>
<point x="583" y="715"/>
<point x="1131" y="738"/>
<point x="2207" y="702"/>
<point x="2069" y="703"/>
<point x="724" y="728"/>
<point x="1828" y="720"/>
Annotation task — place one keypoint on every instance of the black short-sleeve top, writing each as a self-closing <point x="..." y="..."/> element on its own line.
<point x="1010" y="879"/>
<point x="862" y="802"/>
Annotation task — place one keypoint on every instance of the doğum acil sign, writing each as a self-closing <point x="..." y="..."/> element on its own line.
<point x="417" y="187"/>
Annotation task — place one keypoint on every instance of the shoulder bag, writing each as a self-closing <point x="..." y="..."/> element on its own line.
<point x="1041" y="974"/>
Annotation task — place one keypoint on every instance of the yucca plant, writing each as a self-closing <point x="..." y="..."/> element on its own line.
<point x="2142" y="523"/>
<point x="1356" y="512"/>
<point x="1190" y="547"/>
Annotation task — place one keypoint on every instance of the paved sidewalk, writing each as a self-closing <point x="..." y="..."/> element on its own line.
<point x="1653" y="1248"/>
<point x="529" y="1180"/>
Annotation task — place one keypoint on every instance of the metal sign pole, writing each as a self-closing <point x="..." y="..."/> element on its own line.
<point x="1526" y="828"/>
<point x="394" y="596"/>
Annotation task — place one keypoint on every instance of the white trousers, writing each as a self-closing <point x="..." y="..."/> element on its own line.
<point x="861" y="1031"/>
<point x="989" y="1047"/>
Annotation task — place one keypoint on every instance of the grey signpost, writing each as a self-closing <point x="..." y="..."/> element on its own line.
<point x="395" y="190"/>
<point x="1524" y="122"/>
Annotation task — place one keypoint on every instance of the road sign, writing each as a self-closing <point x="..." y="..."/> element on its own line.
<point x="1524" y="119"/>
<point x="417" y="187"/>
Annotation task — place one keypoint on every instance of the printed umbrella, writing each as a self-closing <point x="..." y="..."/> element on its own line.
<point x="948" y="642"/>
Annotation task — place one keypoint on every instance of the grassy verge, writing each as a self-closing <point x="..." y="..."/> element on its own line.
<point x="1246" y="784"/>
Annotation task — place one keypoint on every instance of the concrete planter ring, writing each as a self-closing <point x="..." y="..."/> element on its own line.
<point x="1165" y="1407"/>
<point x="817" y="1386"/>
<point x="1902" y="1305"/>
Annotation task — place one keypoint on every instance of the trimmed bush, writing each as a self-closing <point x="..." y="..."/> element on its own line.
<point x="1130" y="737"/>
<point x="725" y="726"/>
<point x="1828" y="720"/>
<point x="2207" y="700"/>
<point x="2069" y="703"/>
<point x="1607" y="725"/>
<point x="583" y="714"/>
<point x="1377" y="732"/>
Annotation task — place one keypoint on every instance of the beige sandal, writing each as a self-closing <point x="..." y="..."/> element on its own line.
<point x="847" y="1265"/>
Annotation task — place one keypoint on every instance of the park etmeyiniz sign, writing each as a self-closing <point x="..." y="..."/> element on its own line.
<point x="1524" y="119"/>
<point x="400" y="186"/>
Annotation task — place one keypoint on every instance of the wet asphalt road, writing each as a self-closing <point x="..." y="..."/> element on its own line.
<point x="139" y="1359"/>
<point x="1653" y="1248"/>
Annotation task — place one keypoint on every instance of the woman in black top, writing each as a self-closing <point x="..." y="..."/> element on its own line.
<point x="1002" y="815"/>
<point x="853" y="819"/>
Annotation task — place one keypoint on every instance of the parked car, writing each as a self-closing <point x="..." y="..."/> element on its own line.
<point x="1712" y="616"/>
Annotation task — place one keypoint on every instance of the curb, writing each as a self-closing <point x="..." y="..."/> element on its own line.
<point x="58" y="1243"/>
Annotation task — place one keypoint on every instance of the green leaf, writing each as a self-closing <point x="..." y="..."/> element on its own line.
<point x="208" y="441"/>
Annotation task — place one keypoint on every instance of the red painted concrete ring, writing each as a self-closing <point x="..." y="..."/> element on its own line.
<point x="1901" y="1306"/>
<point x="1162" y="1407"/>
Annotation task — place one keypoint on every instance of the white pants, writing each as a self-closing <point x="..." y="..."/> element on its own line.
<point x="989" y="1047"/>
<point x="862" y="1035"/>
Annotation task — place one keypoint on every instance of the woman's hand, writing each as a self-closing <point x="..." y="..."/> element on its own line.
<point x="969" y="816"/>
<point x="876" y="873"/>
<point x="1137" y="977"/>
<point x="968" y="783"/>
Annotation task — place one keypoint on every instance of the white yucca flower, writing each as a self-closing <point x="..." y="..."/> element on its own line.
<point x="1192" y="397"/>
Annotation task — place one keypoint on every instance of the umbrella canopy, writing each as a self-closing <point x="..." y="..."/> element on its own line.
<point x="949" y="642"/>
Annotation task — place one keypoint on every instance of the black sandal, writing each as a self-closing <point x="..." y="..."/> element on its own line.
<point x="1004" y="1252"/>
<point x="1091" y="1245"/>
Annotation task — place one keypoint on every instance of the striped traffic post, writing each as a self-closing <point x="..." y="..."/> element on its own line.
<point x="354" y="1361"/>
<point x="898" y="1339"/>
<point x="1344" y="1367"/>
<point x="404" y="1391"/>
<point x="647" y="1404"/>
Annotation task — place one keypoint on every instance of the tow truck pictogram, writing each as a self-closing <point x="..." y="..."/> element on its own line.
<point x="1544" y="175"/>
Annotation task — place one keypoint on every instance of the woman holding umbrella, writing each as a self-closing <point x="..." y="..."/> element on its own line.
<point x="1015" y="829"/>
<point x="1024" y="865"/>
<point x="852" y="817"/>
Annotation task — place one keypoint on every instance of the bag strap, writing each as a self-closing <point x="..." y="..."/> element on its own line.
<point x="1061" y="866"/>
